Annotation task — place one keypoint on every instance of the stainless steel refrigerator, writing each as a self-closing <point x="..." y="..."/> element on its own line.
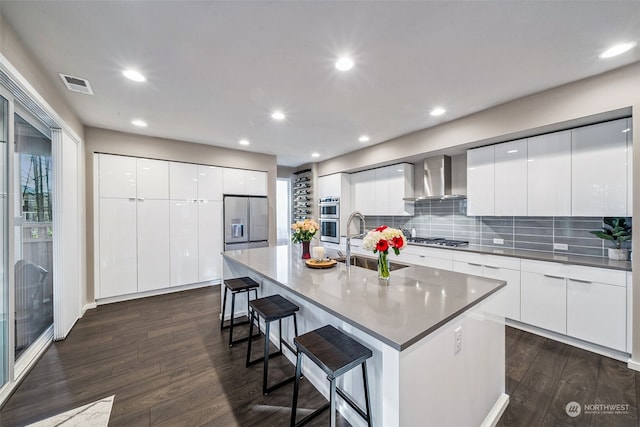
<point x="246" y="222"/>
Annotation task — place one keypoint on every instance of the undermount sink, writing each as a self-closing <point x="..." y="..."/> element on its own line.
<point x="370" y="263"/>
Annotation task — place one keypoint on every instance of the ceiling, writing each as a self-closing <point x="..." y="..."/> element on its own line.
<point x="217" y="69"/>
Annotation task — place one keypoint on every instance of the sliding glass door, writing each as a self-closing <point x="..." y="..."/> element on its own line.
<point x="33" y="233"/>
<point x="4" y="239"/>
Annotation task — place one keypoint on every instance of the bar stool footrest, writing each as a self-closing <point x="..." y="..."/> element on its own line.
<point x="352" y="404"/>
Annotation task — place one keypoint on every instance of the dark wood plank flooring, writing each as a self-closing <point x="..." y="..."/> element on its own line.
<point x="167" y="363"/>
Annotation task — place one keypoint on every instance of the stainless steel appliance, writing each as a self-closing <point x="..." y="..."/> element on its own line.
<point x="434" y="180"/>
<point x="436" y="241"/>
<point x="246" y="222"/>
<point x="329" y="209"/>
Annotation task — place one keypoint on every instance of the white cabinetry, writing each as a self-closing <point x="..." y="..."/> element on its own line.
<point x="494" y="267"/>
<point x="544" y="295"/>
<point x="330" y="185"/>
<point x="441" y="259"/>
<point x="598" y="169"/>
<point x="184" y="242"/>
<point x="511" y="178"/>
<point x="133" y="225"/>
<point x="381" y="191"/>
<point x="582" y="302"/>
<point x="480" y="181"/>
<point x="549" y="175"/>
<point x="244" y="182"/>
<point x="209" y="240"/>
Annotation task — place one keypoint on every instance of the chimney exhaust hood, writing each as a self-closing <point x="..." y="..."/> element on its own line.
<point x="433" y="180"/>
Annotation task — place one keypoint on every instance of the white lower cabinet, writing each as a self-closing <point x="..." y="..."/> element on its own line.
<point x="544" y="301"/>
<point x="209" y="240"/>
<point x="596" y="312"/>
<point x="184" y="242"/>
<point x="441" y="259"/>
<point x="153" y="244"/>
<point x="494" y="267"/>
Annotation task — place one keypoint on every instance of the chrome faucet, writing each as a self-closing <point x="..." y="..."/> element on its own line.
<point x="354" y="214"/>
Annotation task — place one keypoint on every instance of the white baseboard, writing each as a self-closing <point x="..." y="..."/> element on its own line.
<point x="632" y="364"/>
<point x="89" y="306"/>
<point x="496" y="412"/>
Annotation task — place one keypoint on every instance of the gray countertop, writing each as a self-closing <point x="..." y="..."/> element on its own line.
<point x="590" y="261"/>
<point x="417" y="301"/>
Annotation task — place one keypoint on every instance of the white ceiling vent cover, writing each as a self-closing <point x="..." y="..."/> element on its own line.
<point x="76" y="84"/>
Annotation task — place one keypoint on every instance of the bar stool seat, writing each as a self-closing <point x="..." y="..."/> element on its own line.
<point x="335" y="353"/>
<point x="237" y="286"/>
<point x="271" y="308"/>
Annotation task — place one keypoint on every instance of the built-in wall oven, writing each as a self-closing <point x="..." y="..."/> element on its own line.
<point x="329" y="208"/>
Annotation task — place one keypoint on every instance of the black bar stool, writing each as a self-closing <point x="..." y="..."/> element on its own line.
<point x="336" y="353"/>
<point x="271" y="308"/>
<point x="237" y="286"/>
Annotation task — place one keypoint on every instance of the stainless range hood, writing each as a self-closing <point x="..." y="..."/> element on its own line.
<point x="433" y="180"/>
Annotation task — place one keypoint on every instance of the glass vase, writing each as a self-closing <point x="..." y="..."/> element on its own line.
<point x="305" y="250"/>
<point x="383" y="267"/>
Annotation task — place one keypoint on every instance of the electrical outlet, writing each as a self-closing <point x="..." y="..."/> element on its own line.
<point x="457" y="337"/>
<point x="560" y="246"/>
<point x="498" y="241"/>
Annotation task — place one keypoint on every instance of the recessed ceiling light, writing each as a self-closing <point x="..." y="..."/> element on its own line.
<point x="345" y="63"/>
<point x="139" y="123"/>
<point x="315" y="154"/>
<point x="364" y="138"/>
<point x="134" y="75"/>
<point x="626" y="130"/>
<point x="438" y="111"/>
<point x="512" y="151"/>
<point x="617" y="50"/>
<point x="278" y="115"/>
<point x="244" y="142"/>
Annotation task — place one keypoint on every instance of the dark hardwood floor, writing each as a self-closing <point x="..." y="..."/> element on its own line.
<point x="167" y="363"/>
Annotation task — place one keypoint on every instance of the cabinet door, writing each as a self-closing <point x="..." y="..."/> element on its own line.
<point x="549" y="174"/>
<point x="480" y="181"/>
<point x="330" y="185"/>
<point x="209" y="183"/>
<point x="233" y="181"/>
<point x="363" y="194"/>
<point x="380" y="194"/>
<point x="153" y="179"/>
<point x="183" y="181"/>
<point x="256" y="183"/>
<point x="118" y="253"/>
<point x="184" y="242"/>
<point x="598" y="169"/>
<point x="511" y="178"/>
<point x="629" y="132"/>
<point x="596" y="312"/>
<point x="543" y="301"/>
<point x="468" y="268"/>
<point x="209" y="240"/>
<point x="512" y="277"/>
<point x="153" y="244"/>
<point x="117" y="176"/>
<point x="400" y="186"/>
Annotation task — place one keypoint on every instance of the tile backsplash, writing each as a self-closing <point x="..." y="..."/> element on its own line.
<point x="448" y="219"/>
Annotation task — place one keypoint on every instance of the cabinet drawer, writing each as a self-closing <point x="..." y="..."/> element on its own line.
<point x="543" y="267"/>
<point x="601" y="275"/>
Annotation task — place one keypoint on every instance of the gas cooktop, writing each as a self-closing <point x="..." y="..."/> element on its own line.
<point x="438" y="241"/>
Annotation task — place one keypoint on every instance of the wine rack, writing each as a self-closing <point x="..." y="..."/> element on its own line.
<point x="302" y="195"/>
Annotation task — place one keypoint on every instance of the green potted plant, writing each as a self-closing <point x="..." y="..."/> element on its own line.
<point x="617" y="230"/>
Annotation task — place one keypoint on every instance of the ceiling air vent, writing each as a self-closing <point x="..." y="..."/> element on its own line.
<point x="76" y="84"/>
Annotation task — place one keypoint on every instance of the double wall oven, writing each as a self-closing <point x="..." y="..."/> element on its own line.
<point x="329" y="208"/>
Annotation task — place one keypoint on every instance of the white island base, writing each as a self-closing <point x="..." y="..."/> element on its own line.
<point x="427" y="383"/>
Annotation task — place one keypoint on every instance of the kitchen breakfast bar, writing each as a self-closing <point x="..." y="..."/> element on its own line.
<point x="437" y="336"/>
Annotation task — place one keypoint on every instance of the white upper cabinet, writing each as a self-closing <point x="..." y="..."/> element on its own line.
<point x="210" y="183"/>
<point x="599" y="169"/>
<point x="629" y="169"/>
<point x="240" y="181"/>
<point x="153" y="179"/>
<point x="117" y="175"/>
<point x="381" y="191"/>
<point x="183" y="182"/>
<point x="480" y="181"/>
<point x="511" y="178"/>
<point x="549" y="175"/>
<point x="330" y="185"/>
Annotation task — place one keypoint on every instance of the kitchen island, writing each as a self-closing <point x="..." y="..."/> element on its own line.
<point x="418" y="375"/>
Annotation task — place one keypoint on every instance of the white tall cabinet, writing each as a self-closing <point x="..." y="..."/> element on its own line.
<point x="158" y="224"/>
<point x="133" y="217"/>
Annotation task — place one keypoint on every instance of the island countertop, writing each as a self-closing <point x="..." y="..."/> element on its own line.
<point x="417" y="301"/>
